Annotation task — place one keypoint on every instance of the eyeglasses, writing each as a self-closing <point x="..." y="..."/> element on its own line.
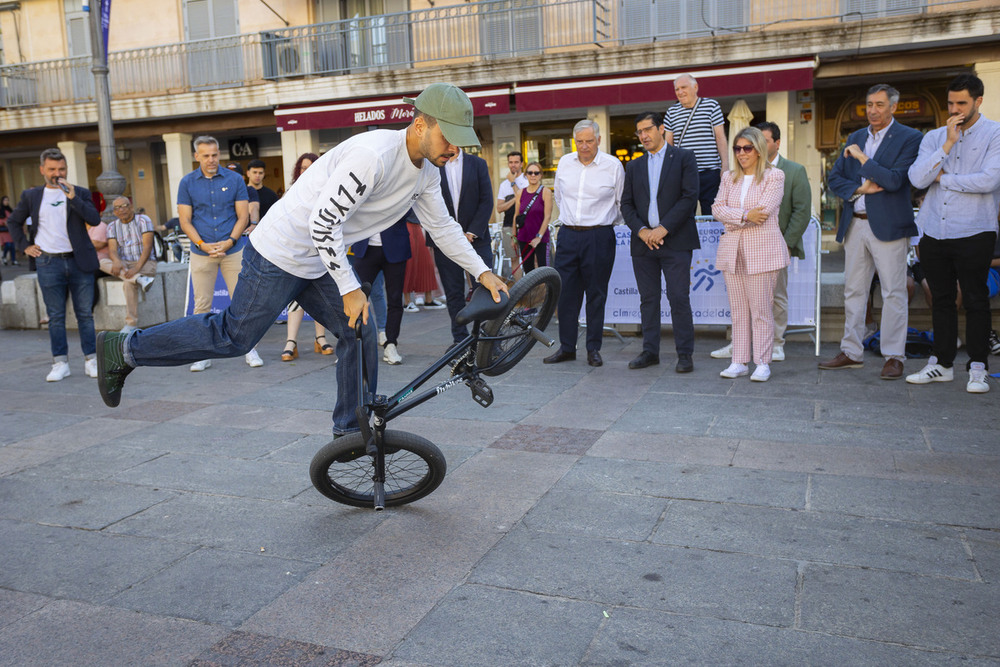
<point x="745" y="149"/>
<point x="645" y="130"/>
<point x="533" y="173"/>
<point x="120" y="206"/>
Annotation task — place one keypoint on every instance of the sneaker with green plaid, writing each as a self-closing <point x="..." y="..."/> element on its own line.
<point x="111" y="366"/>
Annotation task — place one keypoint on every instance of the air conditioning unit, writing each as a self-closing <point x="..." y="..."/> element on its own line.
<point x="283" y="57"/>
<point x="289" y="62"/>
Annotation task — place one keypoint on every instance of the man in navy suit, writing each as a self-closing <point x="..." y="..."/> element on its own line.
<point x="468" y="194"/>
<point x="65" y="258"/>
<point x="658" y="205"/>
<point x="387" y="252"/>
<point x="875" y="226"/>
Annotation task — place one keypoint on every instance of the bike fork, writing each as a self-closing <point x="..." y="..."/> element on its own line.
<point x="378" y="480"/>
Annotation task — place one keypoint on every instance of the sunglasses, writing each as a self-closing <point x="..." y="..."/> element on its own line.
<point x="533" y="173"/>
<point x="745" y="149"/>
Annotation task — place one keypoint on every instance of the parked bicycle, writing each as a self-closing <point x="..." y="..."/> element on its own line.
<point x="380" y="468"/>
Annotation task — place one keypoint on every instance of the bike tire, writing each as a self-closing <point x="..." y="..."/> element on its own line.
<point x="532" y="302"/>
<point x="343" y="470"/>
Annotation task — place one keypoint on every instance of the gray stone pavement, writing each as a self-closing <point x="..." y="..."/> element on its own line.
<point x="589" y="517"/>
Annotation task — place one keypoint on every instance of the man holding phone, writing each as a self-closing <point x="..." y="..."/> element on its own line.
<point x="65" y="258"/>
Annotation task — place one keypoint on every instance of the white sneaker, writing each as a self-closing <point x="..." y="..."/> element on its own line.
<point x="392" y="355"/>
<point x="145" y="282"/>
<point x="253" y="359"/>
<point x="90" y="367"/>
<point x="381" y="339"/>
<point x="735" y="371"/>
<point x="778" y="353"/>
<point x="723" y="352"/>
<point x="201" y="365"/>
<point x="977" y="381"/>
<point x="411" y="308"/>
<point x="761" y="374"/>
<point x="60" y="370"/>
<point x="435" y="305"/>
<point x="932" y="372"/>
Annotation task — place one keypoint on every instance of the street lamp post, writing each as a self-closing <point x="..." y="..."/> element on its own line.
<point x="110" y="183"/>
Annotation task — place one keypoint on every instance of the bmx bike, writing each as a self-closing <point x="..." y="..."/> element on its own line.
<point x="377" y="467"/>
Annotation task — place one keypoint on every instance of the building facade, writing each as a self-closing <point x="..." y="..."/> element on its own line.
<point x="278" y="79"/>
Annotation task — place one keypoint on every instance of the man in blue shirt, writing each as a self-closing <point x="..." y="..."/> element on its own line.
<point x="960" y="165"/>
<point x="213" y="208"/>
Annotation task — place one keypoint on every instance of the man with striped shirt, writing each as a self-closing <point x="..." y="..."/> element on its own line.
<point x="696" y="123"/>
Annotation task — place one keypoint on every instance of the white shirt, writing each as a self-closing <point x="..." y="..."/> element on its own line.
<point x="871" y="147"/>
<point x="506" y="188"/>
<point x="453" y="171"/>
<point x="359" y="189"/>
<point x="51" y="235"/>
<point x="590" y="195"/>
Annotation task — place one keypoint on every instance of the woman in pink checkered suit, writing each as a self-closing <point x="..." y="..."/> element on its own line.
<point x="751" y="252"/>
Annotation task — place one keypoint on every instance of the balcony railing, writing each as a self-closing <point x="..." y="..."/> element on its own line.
<point x="466" y="32"/>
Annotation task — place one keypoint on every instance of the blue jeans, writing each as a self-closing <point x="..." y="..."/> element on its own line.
<point x="59" y="277"/>
<point x="262" y="292"/>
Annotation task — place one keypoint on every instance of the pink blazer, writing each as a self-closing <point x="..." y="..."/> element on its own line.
<point x="762" y="247"/>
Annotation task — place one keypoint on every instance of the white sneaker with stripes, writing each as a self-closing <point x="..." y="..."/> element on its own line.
<point x="932" y="372"/>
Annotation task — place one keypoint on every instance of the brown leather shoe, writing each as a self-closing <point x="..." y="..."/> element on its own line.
<point x="840" y="361"/>
<point x="893" y="369"/>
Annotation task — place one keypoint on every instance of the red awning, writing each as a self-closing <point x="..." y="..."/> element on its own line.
<point x="379" y="111"/>
<point x="658" y="87"/>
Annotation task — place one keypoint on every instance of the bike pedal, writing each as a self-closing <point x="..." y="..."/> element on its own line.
<point x="481" y="392"/>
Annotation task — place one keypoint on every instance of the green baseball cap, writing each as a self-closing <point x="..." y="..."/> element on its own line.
<point x="452" y="109"/>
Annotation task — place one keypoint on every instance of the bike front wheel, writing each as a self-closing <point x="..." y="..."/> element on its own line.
<point x="532" y="303"/>
<point x="344" y="471"/>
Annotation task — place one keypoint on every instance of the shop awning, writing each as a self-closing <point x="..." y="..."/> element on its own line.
<point x="377" y="111"/>
<point x="658" y="87"/>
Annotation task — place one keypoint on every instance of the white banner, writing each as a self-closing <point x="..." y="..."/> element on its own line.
<point x="709" y="300"/>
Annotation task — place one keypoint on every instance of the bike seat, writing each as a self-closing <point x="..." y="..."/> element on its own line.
<point x="481" y="307"/>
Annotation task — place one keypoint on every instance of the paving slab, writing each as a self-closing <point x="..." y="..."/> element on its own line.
<point x="949" y="504"/>
<point x="79" y="564"/>
<point x="620" y="572"/>
<point x="38" y="498"/>
<point x="268" y="479"/>
<point x="816" y="537"/>
<point x="694" y="481"/>
<point x="907" y="609"/>
<point x="510" y="627"/>
<point x="641" y="637"/>
<point x="214" y="586"/>
<point x="288" y="530"/>
<point x="65" y="632"/>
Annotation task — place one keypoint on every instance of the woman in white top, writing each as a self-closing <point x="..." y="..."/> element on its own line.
<point x="752" y="250"/>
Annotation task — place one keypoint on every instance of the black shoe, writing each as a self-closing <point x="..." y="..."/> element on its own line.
<point x="111" y="366"/>
<point x="684" y="363"/>
<point x="644" y="360"/>
<point x="558" y="357"/>
<point x="594" y="358"/>
<point x="994" y="342"/>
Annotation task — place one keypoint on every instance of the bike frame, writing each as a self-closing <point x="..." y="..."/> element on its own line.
<point x="376" y="410"/>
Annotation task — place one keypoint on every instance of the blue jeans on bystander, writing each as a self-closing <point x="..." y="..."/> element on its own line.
<point x="59" y="278"/>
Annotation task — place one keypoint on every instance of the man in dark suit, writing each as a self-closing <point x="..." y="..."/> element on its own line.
<point x="468" y="194"/>
<point x="875" y="227"/>
<point x="65" y="258"/>
<point x="658" y="205"/>
<point x="386" y="252"/>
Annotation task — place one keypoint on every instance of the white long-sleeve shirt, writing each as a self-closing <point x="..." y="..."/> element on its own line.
<point x="590" y="195"/>
<point x="359" y="189"/>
